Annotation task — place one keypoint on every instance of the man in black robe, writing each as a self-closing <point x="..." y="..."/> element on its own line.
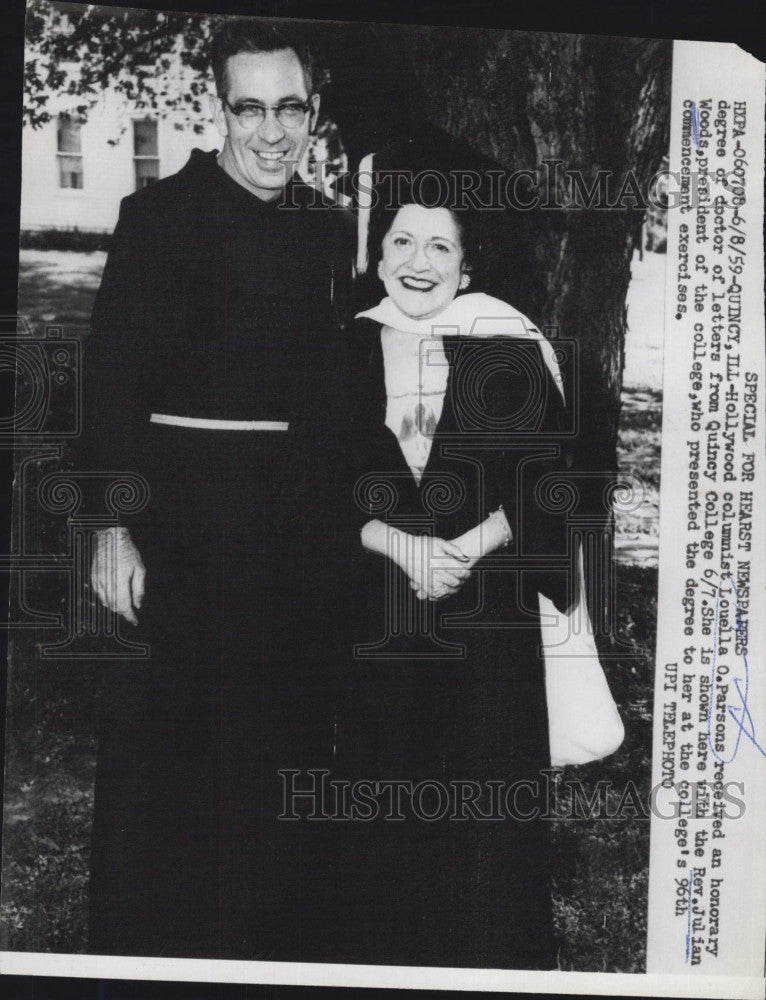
<point x="211" y="358"/>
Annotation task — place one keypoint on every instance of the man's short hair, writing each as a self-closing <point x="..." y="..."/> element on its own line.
<point x="247" y="34"/>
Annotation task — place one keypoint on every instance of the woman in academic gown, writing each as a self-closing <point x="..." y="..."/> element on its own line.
<point x="449" y="470"/>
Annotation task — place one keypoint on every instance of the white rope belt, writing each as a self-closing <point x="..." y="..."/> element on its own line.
<point x="219" y="425"/>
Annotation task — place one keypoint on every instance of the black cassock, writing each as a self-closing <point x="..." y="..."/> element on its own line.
<point x="215" y="305"/>
<point x="450" y="693"/>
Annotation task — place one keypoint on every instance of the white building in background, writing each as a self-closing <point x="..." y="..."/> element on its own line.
<point x="74" y="174"/>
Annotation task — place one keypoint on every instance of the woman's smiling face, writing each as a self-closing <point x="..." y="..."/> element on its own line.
<point x="423" y="261"/>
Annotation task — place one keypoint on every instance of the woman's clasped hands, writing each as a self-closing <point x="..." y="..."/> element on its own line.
<point x="436" y="567"/>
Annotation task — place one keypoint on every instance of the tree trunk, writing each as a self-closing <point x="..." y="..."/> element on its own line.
<point x="591" y="103"/>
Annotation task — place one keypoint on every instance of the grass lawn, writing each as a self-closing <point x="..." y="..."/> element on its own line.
<point x="58" y="286"/>
<point x="601" y="865"/>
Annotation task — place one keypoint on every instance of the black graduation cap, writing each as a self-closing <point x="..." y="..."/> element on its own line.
<point x="434" y="169"/>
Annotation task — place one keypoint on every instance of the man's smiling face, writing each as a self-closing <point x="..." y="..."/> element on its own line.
<point x="262" y="157"/>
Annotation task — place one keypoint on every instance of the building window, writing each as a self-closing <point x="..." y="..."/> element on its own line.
<point x="145" y="155"/>
<point x="69" y="152"/>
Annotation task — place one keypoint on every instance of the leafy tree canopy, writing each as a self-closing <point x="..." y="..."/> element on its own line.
<point x="80" y="50"/>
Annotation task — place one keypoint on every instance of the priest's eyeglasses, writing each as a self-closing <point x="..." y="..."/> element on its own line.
<point x="291" y="114"/>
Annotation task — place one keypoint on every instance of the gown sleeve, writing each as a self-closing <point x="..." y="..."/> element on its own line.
<point x="503" y="387"/>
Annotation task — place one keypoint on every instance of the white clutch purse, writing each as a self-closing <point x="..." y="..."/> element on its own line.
<point x="583" y="721"/>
